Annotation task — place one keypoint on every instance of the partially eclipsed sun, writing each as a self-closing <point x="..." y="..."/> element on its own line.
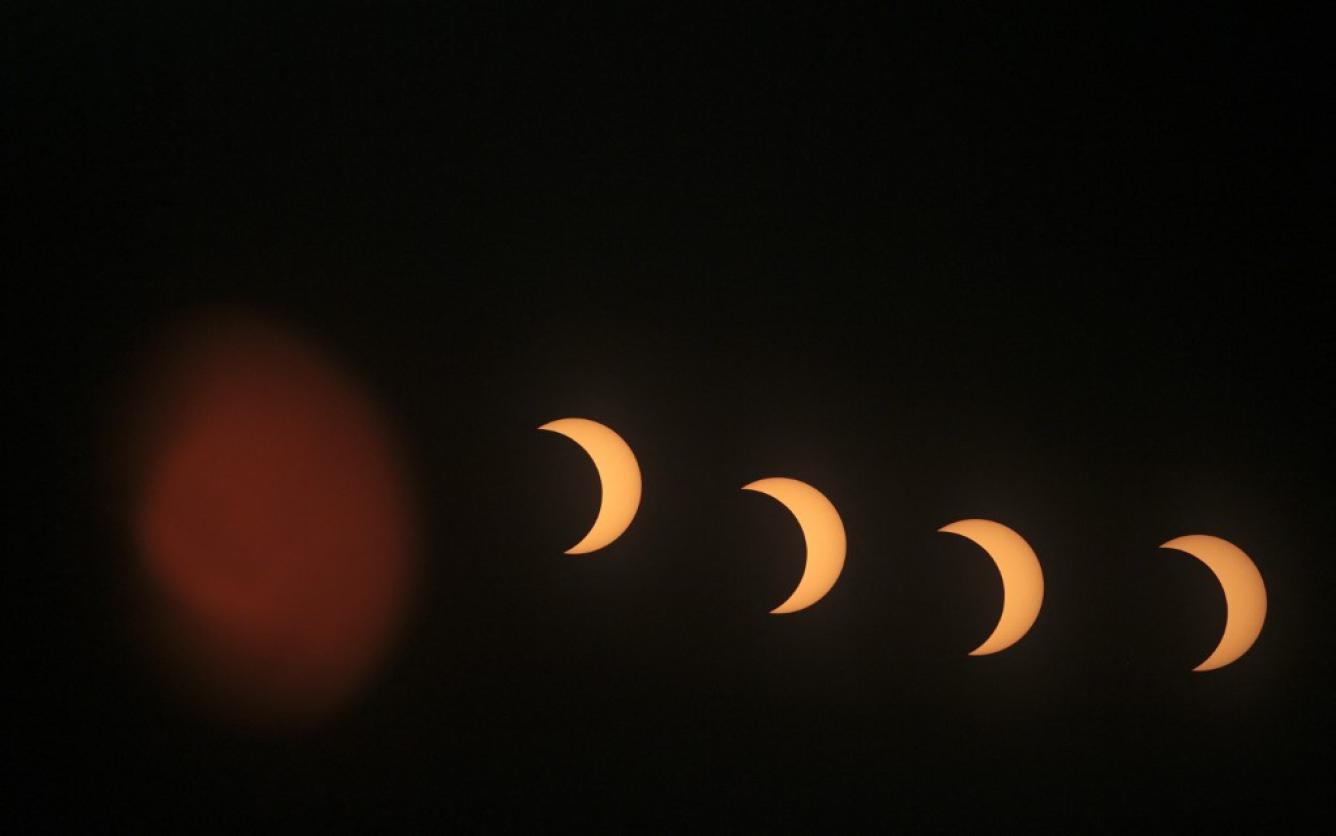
<point x="1022" y="580"/>
<point x="823" y="533"/>
<point x="1245" y="594"/>
<point x="618" y="473"/>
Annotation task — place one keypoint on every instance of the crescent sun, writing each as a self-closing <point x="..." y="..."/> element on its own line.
<point x="1245" y="594"/>
<point x="822" y="531"/>
<point x="1022" y="580"/>
<point x="618" y="474"/>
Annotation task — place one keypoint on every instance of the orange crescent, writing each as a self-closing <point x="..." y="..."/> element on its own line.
<point x="822" y="531"/>
<point x="1245" y="594"/>
<point x="618" y="474"/>
<point x="1022" y="580"/>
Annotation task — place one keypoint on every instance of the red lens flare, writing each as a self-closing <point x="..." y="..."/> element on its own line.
<point x="272" y="520"/>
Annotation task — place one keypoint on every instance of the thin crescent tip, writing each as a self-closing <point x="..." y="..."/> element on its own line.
<point x="954" y="527"/>
<point x="551" y="426"/>
<point x="1174" y="542"/>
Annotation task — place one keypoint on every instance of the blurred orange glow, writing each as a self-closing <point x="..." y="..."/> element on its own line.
<point x="823" y="533"/>
<point x="272" y="521"/>
<point x="1245" y="594"/>
<point x="618" y="473"/>
<point x="1022" y="580"/>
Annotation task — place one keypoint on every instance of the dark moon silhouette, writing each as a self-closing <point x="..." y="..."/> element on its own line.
<point x="272" y="521"/>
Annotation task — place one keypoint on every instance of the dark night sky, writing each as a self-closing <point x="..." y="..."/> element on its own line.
<point x="1053" y="269"/>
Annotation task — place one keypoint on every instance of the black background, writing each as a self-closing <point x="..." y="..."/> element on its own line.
<point x="1057" y="269"/>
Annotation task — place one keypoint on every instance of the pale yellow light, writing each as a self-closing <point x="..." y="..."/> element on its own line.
<point x="1022" y="580"/>
<point x="618" y="473"/>
<point x="822" y="531"/>
<point x="1245" y="594"/>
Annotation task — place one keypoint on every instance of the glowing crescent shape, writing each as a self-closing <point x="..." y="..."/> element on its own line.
<point x="823" y="532"/>
<point x="1245" y="594"/>
<point x="1022" y="580"/>
<point x="618" y="473"/>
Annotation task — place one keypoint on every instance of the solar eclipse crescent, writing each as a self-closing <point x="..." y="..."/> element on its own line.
<point x="1022" y="580"/>
<point x="1245" y="594"/>
<point x="822" y="531"/>
<point x="618" y="473"/>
